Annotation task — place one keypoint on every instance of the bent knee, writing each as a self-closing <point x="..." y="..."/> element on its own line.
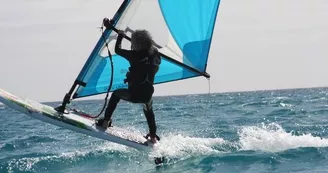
<point x="147" y="107"/>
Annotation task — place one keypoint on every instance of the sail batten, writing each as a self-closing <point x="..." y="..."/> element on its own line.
<point x="181" y="29"/>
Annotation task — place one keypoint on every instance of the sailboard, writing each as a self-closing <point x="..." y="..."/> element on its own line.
<point x="182" y="31"/>
<point x="74" y="120"/>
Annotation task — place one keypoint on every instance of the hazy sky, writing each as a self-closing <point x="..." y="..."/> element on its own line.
<point x="257" y="44"/>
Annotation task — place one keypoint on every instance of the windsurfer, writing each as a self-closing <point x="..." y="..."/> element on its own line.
<point x="144" y="61"/>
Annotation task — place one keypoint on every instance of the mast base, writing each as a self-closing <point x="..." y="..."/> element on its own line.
<point x="62" y="107"/>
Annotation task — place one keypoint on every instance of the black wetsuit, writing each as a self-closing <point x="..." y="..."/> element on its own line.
<point x="140" y="78"/>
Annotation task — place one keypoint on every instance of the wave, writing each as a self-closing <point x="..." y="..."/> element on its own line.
<point x="269" y="138"/>
<point x="273" y="138"/>
<point x="266" y="138"/>
<point x="282" y="112"/>
<point x="39" y="161"/>
<point x="180" y="146"/>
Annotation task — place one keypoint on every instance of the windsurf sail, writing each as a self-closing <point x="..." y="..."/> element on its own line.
<point x="181" y="29"/>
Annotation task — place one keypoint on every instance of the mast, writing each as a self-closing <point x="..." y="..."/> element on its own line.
<point x="68" y="95"/>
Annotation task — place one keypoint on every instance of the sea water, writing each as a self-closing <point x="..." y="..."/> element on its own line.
<point x="262" y="131"/>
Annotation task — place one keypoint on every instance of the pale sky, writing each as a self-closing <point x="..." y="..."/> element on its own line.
<point x="257" y="45"/>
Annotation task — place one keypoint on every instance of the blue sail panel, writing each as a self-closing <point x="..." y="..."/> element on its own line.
<point x="191" y="23"/>
<point x="98" y="79"/>
<point x="170" y="71"/>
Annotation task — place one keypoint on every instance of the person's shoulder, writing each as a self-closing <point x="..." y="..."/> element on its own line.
<point x="154" y="51"/>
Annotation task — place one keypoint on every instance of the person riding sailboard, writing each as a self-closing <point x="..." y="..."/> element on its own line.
<point x="144" y="62"/>
<point x="183" y="32"/>
<point x="181" y="44"/>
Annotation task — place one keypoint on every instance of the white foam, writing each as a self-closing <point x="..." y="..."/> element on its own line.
<point x="273" y="138"/>
<point x="175" y="146"/>
<point x="285" y="105"/>
<point x="127" y="133"/>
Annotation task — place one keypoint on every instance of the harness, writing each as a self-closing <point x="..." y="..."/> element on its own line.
<point x="143" y="71"/>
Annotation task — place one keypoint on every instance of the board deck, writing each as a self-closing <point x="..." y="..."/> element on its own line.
<point x="73" y="121"/>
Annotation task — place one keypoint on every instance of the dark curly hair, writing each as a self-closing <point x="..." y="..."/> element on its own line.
<point x="141" y="39"/>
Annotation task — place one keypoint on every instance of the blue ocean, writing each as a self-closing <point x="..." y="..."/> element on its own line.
<point x="260" y="131"/>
